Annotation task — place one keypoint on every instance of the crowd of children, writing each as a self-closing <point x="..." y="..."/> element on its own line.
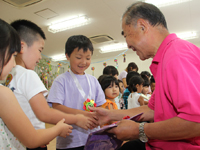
<point x="23" y="41"/>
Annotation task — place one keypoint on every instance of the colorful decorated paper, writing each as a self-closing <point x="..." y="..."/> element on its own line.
<point x="124" y="55"/>
<point x="59" y="65"/>
<point x="101" y="139"/>
<point x="93" y="68"/>
<point x="115" y="60"/>
<point x="104" y="64"/>
<point x="49" y="64"/>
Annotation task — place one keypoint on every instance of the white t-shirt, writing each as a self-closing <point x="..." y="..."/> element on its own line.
<point x="7" y="140"/>
<point x="133" y="100"/>
<point x="26" y="84"/>
<point x="122" y="75"/>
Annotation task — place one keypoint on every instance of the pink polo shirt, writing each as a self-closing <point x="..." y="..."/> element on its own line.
<point x="176" y="69"/>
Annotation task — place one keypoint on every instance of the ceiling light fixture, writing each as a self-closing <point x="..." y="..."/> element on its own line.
<point x="69" y="24"/>
<point x="162" y="3"/>
<point x="113" y="48"/>
<point x="187" y="35"/>
<point x="59" y="57"/>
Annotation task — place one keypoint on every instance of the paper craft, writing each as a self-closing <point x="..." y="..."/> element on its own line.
<point x="102" y="140"/>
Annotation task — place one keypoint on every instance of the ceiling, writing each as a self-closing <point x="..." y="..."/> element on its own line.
<point x="105" y="20"/>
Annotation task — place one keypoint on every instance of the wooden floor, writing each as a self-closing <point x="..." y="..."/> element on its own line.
<point x="52" y="144"/>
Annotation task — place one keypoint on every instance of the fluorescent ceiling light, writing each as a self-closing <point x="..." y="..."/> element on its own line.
<point x="59" y="57"/>
<point x="187" y="35"/>
<point x="113" y="48"/>
<point x="69" y="24"/>
<point x="162" y="3"/>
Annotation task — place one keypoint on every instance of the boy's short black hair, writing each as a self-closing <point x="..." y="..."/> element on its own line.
<point x="133" y="82"/>
<point x="106" y="80"/>
<point x="9" y="43"/>
<point x="131" y="74"/>
<point x="80" y="42"/>
<point x="110" y="70"/>
<point x="28" y="31"/>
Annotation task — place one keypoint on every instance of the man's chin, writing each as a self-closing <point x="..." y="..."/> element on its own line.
<point x="142" y="58"/>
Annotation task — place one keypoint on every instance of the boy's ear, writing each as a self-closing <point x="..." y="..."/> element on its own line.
<point x="23" y="44"/>
<point x="67" y="56"/>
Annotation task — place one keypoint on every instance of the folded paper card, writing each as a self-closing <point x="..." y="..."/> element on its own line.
<point x="102" y="140"/>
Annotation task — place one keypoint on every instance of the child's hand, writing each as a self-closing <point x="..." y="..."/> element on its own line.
<point x="102" y="114"/>
<point x="65" y="129"/>
<point x="92" y="115"/>
<point x="86" y="122"/>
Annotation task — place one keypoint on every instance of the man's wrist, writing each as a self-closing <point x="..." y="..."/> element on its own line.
<point x="142" y="136"/>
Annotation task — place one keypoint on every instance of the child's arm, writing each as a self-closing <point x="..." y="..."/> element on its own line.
<point x="146" y="102"/>
<point x="18" y="123"/>
<point x="49" y="115"/>
<point x="124" y="82"/>
<point x="141" y="101"/>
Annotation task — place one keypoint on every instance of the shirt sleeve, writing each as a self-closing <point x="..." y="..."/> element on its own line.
<point x="182" y="88"/>
<point x="31" y="84"/>
<point x="123" y="74"/>
<point x="100" y="96"/>
<point x="57" y="92"/>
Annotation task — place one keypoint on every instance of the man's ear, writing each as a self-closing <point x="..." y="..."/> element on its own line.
<point x="143" y="25"/>
<point x="23" y="44"/>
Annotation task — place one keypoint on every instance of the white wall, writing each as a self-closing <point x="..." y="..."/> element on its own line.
<point x="130" y="57"/>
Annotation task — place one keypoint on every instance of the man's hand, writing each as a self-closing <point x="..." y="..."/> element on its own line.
<point x="102" y="114"/>
<point x="126" y="130"/>
<point x="147" y="116"/>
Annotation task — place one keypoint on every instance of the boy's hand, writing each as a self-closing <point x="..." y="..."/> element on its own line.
<point x="65" y="129"/>
<point x="92" y="115"/>
<point x="102" y="114"/>
<point x="86" y="122"/>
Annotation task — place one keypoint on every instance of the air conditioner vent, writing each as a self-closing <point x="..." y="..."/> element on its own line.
<point x="21" y="3"/>
<point x="100" y="39"/>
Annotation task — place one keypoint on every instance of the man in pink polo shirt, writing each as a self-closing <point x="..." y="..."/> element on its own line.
<point x="174" y="106"/>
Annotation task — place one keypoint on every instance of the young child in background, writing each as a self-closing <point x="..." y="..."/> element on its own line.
<point x="16" y="129"/>
<point x="27" y="86"/>
<point x="135" y="87"/>
<point x="122" y="76"/>
<point x="110" y="86"/>
<point x="152" y="83"/>
<point x="145" y="89"/>
<point x="148" y="75"/>
<point x="71" y="89"/>
<point x="121" y="91"/>
<point x="112" y="71"/>
<point x="126" y="91"/>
